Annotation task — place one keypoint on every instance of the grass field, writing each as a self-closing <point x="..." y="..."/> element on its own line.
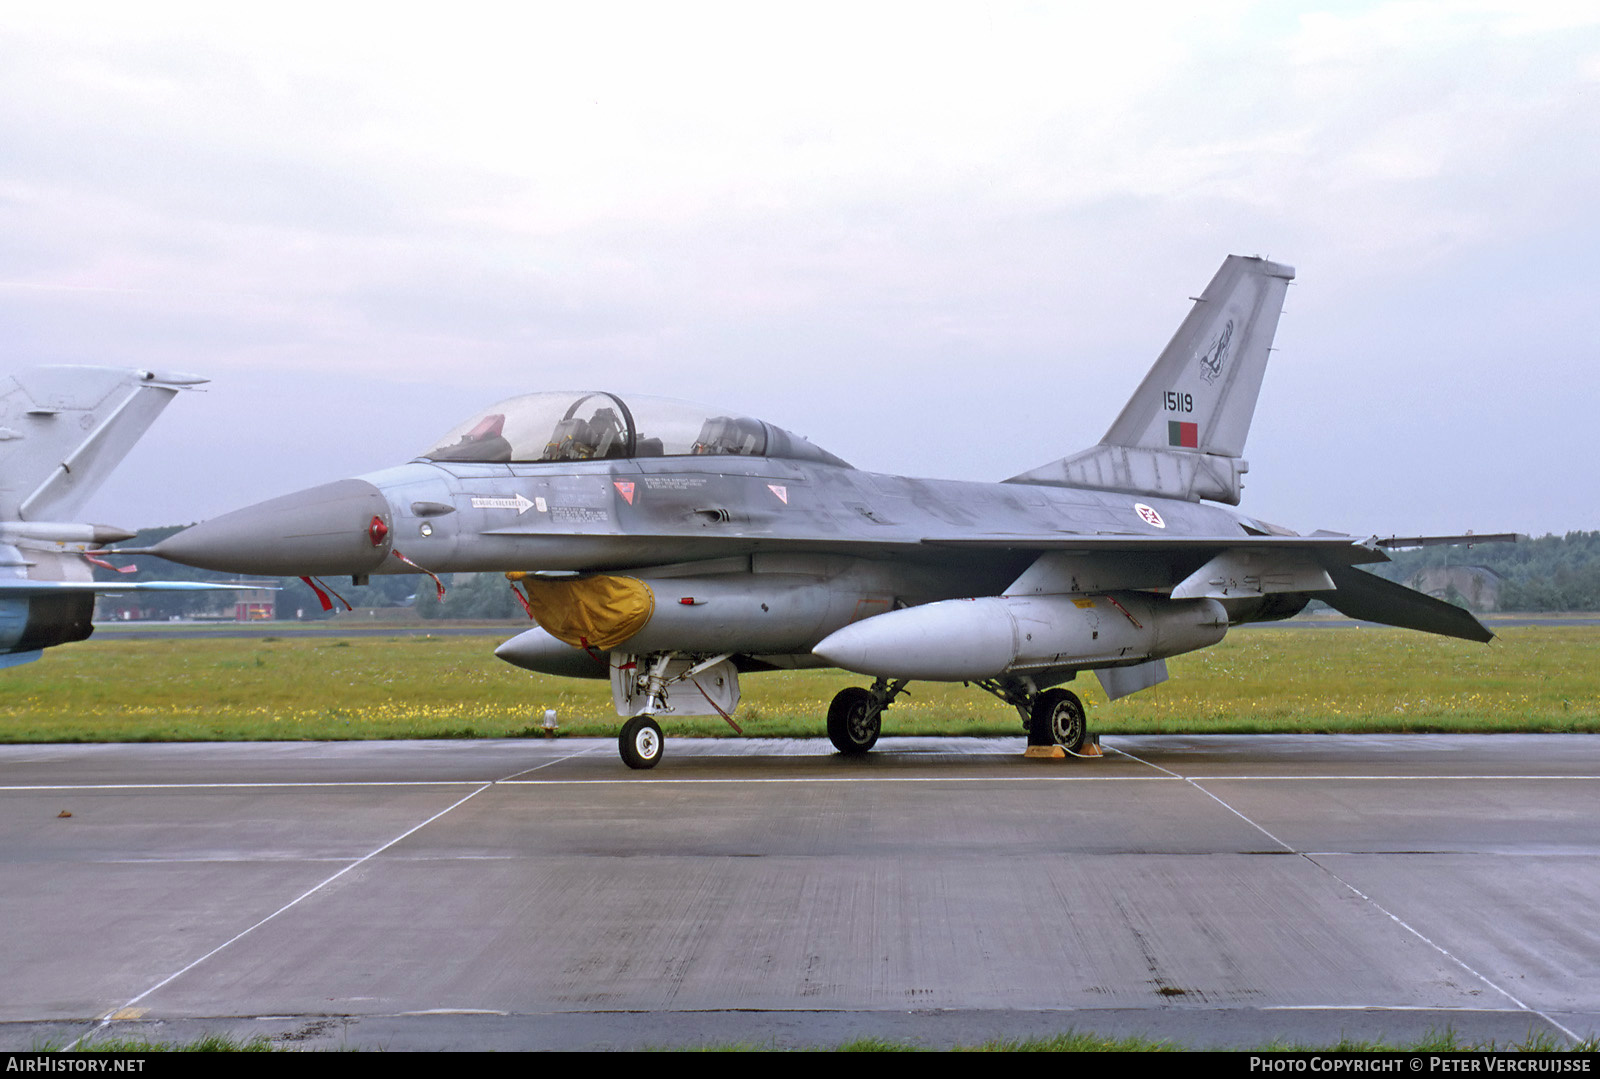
<point x="1259" y="680"/>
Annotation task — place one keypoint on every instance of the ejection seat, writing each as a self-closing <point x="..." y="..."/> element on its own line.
<point x="725" y="434"/>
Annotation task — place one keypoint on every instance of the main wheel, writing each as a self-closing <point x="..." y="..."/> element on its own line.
<point x="854" y="719"/>
<point x="1058" y="721"/>
<point x="640" y="742"/>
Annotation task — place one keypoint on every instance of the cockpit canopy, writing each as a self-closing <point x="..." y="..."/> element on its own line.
<point x="586" y="426"/>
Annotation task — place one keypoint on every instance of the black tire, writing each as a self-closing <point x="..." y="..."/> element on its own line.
<point x="854" y="720"/>
<point x="640" y="742"/>
<point x="1058" y="720"/>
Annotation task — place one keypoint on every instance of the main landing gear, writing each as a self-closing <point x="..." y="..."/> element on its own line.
<point x="1051" y="717"/>
<point x="856" y="714"/>
<point x="1056" y="719"/>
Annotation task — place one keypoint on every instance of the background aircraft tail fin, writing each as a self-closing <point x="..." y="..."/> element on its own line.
<point x="1182" y="434"/>
<point x="64" y="429"/>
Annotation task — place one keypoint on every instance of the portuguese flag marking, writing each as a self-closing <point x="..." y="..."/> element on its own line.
<point x="1183" y="434"/>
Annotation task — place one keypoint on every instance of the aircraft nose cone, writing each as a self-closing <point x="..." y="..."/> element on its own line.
<point x="338" y="528"/>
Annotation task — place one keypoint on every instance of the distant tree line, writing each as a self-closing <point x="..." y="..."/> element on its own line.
<point x="469" y="595"/>
<point x="1551" y="573"/>
<point x="293" y="599"/>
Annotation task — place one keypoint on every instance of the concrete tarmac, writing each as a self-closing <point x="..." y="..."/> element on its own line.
<point x="1212" y="891"/>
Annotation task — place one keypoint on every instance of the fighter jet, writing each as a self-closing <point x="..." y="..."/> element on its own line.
<point x="671" y="548"/>
<point x="62" y="431"/>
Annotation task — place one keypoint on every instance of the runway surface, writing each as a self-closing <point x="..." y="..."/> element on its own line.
<point x="1218" y="890"/>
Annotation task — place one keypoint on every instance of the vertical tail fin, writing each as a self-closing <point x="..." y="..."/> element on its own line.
<point x="64" y="429"/>
<point x="1182" y="434"/>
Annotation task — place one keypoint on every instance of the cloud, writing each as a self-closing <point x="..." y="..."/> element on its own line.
<point x="889" y="226"/>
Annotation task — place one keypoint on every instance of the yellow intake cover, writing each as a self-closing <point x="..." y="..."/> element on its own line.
<point x="589" y="612"/>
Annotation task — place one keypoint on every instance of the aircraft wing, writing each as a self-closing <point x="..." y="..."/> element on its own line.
<point x="1340" y="550"/>
<point x="1241" y="565"/>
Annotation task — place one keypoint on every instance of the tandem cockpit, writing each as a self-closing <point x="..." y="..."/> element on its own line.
<point x="595" y="425"/>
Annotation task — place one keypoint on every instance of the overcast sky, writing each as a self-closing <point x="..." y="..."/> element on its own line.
<point x="936" y="239"/>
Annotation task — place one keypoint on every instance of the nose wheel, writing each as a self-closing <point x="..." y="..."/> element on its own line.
<point x="640" y="742"/>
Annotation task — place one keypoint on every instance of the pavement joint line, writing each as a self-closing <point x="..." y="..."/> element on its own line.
<point x="107" y="1019"/>
<point x="1369" y="900"/>
<point x="1389" y="776"/>
<point x="1148" y="764"/>
<point x="1391" y="1008"/>
<point x="577" y="782"/>
<point x="512" y="780"/>
<point x="1441" y="949"/>
<point x="1258" y="827"/>
<point x="548" y="763"/>
<point x="309" y="859"/>
<point x="1442" y="851"/>
<point x="247" y="785"/>
<point x="658" y="780"/>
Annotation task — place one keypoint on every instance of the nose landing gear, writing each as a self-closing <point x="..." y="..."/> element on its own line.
<point x="640" y="742"/>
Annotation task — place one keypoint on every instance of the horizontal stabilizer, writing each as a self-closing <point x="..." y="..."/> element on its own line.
<point x="1358" y="594"/>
